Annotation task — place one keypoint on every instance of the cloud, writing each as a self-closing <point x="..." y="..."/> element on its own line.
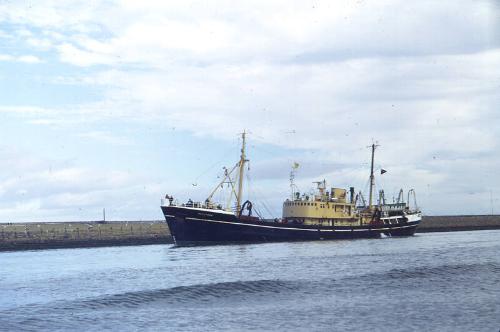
<point x="29" y="59"/>
<point x="31" y="192"/>
<point x="106" y="137"/>
<point x="22" y="58"/>
<point x="154" y="34"/>
<point x="322" y="78"/>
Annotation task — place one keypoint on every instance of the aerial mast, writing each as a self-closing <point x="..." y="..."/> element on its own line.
<point x="240" y="179"/>
<point x="372" y="177"/>
<point x="292" y="178"/>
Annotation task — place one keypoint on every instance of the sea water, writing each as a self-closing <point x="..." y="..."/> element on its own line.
<point x="433" y="281"/>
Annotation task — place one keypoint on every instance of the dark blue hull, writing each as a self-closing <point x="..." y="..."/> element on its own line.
<point x="191" y="226"/>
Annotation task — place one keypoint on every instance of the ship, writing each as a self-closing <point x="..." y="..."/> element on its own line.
<point x="325" y="214"/>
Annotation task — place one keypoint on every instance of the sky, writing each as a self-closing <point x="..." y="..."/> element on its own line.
<point x="113" y="104"/>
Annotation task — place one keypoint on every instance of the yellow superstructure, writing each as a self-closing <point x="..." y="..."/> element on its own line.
<point x="327" y="208"/>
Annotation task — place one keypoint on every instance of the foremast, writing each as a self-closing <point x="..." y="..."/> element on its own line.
<point x="242" y="170"/>
<point x="237" y="192"/>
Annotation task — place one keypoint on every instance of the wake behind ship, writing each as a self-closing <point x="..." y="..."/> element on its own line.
<point x="325" y="215"/>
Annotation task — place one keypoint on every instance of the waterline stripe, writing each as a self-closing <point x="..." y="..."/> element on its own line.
<point x="304" y="229"/>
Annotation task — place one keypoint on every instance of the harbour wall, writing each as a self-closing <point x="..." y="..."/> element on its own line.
<point x="30" y="236"/>
<point x="458" y="223"/>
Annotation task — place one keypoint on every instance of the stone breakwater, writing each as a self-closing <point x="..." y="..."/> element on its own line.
<point x="458" y="223"/>
<point x="27" y="236"/>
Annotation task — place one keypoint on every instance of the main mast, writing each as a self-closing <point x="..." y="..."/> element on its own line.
<point x="372" y="177"/>
<point x="242" y="168"/>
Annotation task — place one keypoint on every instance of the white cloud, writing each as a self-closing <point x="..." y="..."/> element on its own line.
<point x="30" y="190"/>
<point x="6" y="57"/>
<point x="21" y="58"/>
<point x="419" y="77"/>
<point x="106" y="137"/>
<point x="43" y="44"/>
<point x="118" y="32"/>
<point x="29" y="59"/>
